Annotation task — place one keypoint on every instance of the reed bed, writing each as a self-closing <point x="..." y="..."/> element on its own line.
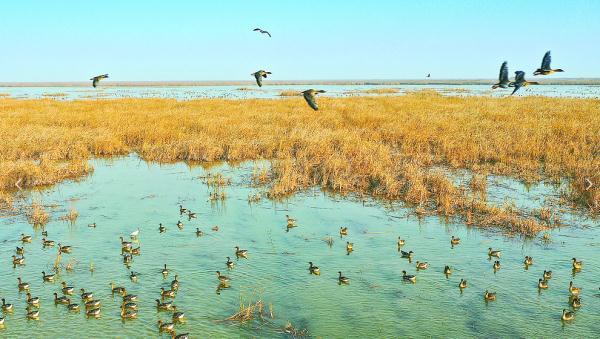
<point x="380" y="91"/>
<point x="388" y="147"/>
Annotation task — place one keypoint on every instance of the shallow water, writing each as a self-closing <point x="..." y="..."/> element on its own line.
<point x="245" y="92"/>
<point x="127" y="193"/>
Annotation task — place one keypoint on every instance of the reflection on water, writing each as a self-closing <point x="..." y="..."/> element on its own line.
<point x="245" y="92"/>
<point x="125" y="194"/>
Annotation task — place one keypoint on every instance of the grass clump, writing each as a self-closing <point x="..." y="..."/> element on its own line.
<point x="37" y="216"/>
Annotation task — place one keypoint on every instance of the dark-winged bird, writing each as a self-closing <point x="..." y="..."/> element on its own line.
<point x="309" y="96"/>
<point x="545" y="69"/>
<point x="428" y="75"/>
<point x="96" y="79"/>
<point x="520" y="81"/>
<point x="259" y="75"/>
<point x="503" y="77"/>
<point x="262" y="31"/>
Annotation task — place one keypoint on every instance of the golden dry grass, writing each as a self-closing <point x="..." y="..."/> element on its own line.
<point x="380" y="91"/>
<point x="289" y="93"/>
<point x="381" y="146"/>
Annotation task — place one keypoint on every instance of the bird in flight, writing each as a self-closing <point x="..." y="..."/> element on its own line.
<point x="503" y="77"/>
<point x="428" y="75"/>
<point x="520" y="81"/>
<point x="259" y="75"/>
<point x="96" y="79"/>
<point x="545" y="69"/>
<point x="262" y="31"/>
<point x="309" y="96"/>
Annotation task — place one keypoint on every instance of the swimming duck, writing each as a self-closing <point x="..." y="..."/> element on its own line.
<point x="545" y="68"/>
<point x="65" y="249"/>
<point x="258" y="75"/>
<point x="61" y="300"/>
<point x="7" y="307"/>
<point x="462" y="284"/>
<point x="128" y="313"/>
<point x="454" y="241"/>
<point x="409" y="277"/>
<point x="489" y="296"/>
<point x="542" y="284"/>
<point x="567" y="315"/>
<point x="161" y="228"/>
<point x="199" y="233"/>
<point x="547" y="275"/>
<point x="400" y="242"/>
<point x="32" y="314"/>
<point x="165" y="327"/>
<point x="127" y="259"/>
<point x="528" y="260"/>
<point x="342" y="279"/>
<point x="133" y="276"/>
<point x="165" y="270"/>
<point x="422" y="265"/>
<point x="130" y="305"/>
<point x="575" y="302"/>
<point x="18" y="260"/>
<point x="90" y="304"/>
<point x="229" y="263"/>
<point x="520" y="81"/>
<point x="222" y="279"/>
<point x="23" y="286"/>
<point x="493" y="253"/>
<point x="191" y="215"/>
<point x="502" y="77"/>
<point x="175" y="283"/>
<point x="128" y="297"/>
<point x="44" y="233"/>
<point x="313" y="269"/>
<point x="93" y="313"/>
<point x="179" y="224"/>
<point x="167" y="293"/>
<point x="215" y="228"/>
<point x="47" y="243"/>
<point x="182" y="210"/>
<point x="86" y="296"/>
<point x="577" y="265"/>
<point x="405" y="254"/>
<point x="309" y="96"/>
<point x="73" y="307"/>
<point x="290" y="221"/>
<point x="178" y="316"/>
<point x="241" y="253"/>
<point x="496" y="265"/>
<point x="32" y="301"/>
<point x="25" y="238"/>
<point x="20" y="250"/>
<point x="574" y="290"/>
<point x="181" y="336"/>
<point x="164" y="306"/>
<point x="92" y="225"/>
<point x="48" y="277"/>
<point x="447" y="270"/>
<point x="97" y="78"/>
<point x="343" y="231"/>
<point x="349" y="246"/>
<point x="116" y="289"/>
<point x="68" y="290"/>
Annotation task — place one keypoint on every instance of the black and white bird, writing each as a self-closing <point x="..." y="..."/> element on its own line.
<point x="262" y="31"/>
<point x="259" y="75"/>
<point x="309" y="96"/>
<point x="96" y="79"/>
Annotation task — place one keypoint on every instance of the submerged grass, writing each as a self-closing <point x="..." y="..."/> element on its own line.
<point x="385" y="146"/>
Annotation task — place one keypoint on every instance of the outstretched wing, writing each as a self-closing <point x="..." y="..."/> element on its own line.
<point x="269" y="34"/>
<point x="546" y="61"/>
<point x="519" y="77"/>
<point x="258" y="78"/>
<point x="517" y="86"/>
<point x="503" y="76"/>
<point x="256" y="29"/>
<point x="95" y="81"/>
<point x="310" y="99"/>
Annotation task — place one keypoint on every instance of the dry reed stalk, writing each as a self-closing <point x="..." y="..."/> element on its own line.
<point x="37" y="215"/>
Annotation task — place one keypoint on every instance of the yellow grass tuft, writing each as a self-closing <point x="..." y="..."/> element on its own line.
<point x="289" y="93"/>
<point x="37" y="216"/>
<point x="380" y="91"/>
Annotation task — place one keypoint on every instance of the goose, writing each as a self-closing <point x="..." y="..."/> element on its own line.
<point x="23" y="286"/>
<point x="574" y="290"/>
<point x="528" y="260"/>
<point x="342" y="279"/>
<point x="18" y="260"/>
<point x="91" y="304"/>
<point x="400" y="242"/>
<point x="133" y="276"/>
<point x="61" y="300"/>
<point x="165" y="270"/>
<point x="167" y="293"/>
<point x="130" y="306"/>
<point x="33" y="301"/>
<point x="215" y="228"/>
<point x="68" y="290"/>
<point x="494" y="253"/>
<point x="175" y="283"/>
<point x="577" y="265"/>
<point x="25" y="238"/>
<point x="462" y="284"/>
<point x="48" y="277"/>
<point x="405" y="254"/>
<point x="127" y="258"/>
<point x="502" y="77"/>
<point x="422" y="265"/>
<point x="567" y="315"/>
<point x="199" y="232"/>
<point x="454" y="241"/>
<point x="542" y="284"/>
<point x="164" y="306"/>
<point x="161" y="228"/>
<point x="343" y="231"/>
<point x="547" y="275"/>
<point x="73" y="307"/>
<point x="309" y="96"/>
<point x="1" y="322"/>
<point x="179" y="224"/>
<point x="230" y="264"/>
<point x="545" y="68"/>
<point x="181" y="336"/>
<point x="7" y="307"/>
<point x="178" y="316"/>
<point x="93" y="313"/>
<point x="259" y="75"/>
<point x="125" y="244"/>
<point x="86" y="296"/>
<point x="97" y="78"/>
<point x="32" y="314"/>
<point x="409" y="277"/>
<point x="20" y="250"/>
<point x="262" y="31"/>
<point x="44" y="233"/>
<point x="222" y="279"/>
<point x="135" y="233"/>
<point x="241" y="253"/>
<point x="496" y="265"/>
<point x="128" y="297"/>
<point x="65" y="249"/>
<point x="575" y="302"/>
<point x="47" y="243"/>
<point x="489" y="296"/>
<point x="92" y="225"/>
<point x="165" y="327"/>
<point x="191" y="215"/>
<point x="128" y="313"/>
<point x="290" y="220"/>
<point x="116" y="289"/>
<point x="349" y="246"/>
<point x="447" y="270"/>
<point x="313" y="269"/>
<point x="182" y="210"/>
<point x="520" y="81"/>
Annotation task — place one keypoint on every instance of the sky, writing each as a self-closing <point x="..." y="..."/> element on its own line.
<point x="71" y="40"/>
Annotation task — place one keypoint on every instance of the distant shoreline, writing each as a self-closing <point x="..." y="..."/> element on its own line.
<point x="374" y="82"/>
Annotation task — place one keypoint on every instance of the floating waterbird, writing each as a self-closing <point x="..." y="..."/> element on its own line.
<point x="68" y="290"/>
<point x="135" y="233"/>
<point x="177" y="316"/>
<point x="175" y="283"/>
<point x="116" y="289"/>
<point x="447" y="270"/>
<point x="86" y="296"/>
<point x="165" y="270"/>
<point x="161" y="228"/>
<point x="262" y="31"/>
<point x="349" y="246"/>
<point x="408" y="277"/>
<point x="32" y="314"/>
<point x="229" y="263"/>
<point x="92" y="225"/>
<point x="241" y="253"/>
<point x="93" y="313"/>
<point x="575" y="302"/>
<point x="343" y="231"/>
<point x="503" y="81"/>
<point x="20" y="250"/>
<point x="128" y="313"/>
<point x="462" y="284"/>
<point x="18" y="260"/>
<point x="520" y="81"/>
<point x="90" y="304"/>
<point x="259" y="75"/>
<point x="574" y="290"/>
<point x="405" y="254"/>
<point x="422" y="265"/>
<point x="65" y="249"/>
<point x="165" y="327"/>
<point x="25" y="238"/>
<point x="313" y="269"/>
<point x="342" y="279"/>
<point x="199" y="233"/>
<point x="222" y="279"/>
<point x="545" y="68"/>
<point x="182" y="210"/>
<point x="494" y="253"/>
<point x="547" y="275"/>
<point x="309" y="96"/>
<point x="567" y="315"/>
<point x="164" y="306"/>
<point x="33" y="301"/>
<point x="6" y="307"/>
<point x="96" y="79"/>
<point x="496" y="265"/>
<point x="542" y="284"/>
<point x="454" y="241"/>
<point x="61" y="300"/>
<point x="23" y="286"/>
<point x="577" y="265"/>
<point x="489" y="296"/>
<point x="528" y="261"/>
<point x="48" y="277"/>
<point x="400" y="242"/>
<point x="47" y="243"/>
<point x="73" y="307"/>
<point x="167" y="293"/>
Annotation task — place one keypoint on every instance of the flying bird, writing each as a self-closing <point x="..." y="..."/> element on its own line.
<point x="520" y="81"/>
<point x="309" y="96"/>
<point x="545" y="69"/>
<point x="259" y="75"/>
<point x="428" y="75"/>
<point x="262" y="31"/>
<point x="503" y="81"/>
<point x="96" y="79"/>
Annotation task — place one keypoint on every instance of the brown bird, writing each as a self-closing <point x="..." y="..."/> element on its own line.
<point x="259" y="75"/>
<point x="97" y="78"/>
<point x="309" y="96"/>
<point x="262" y="31"/>
<point x="520" y="81"/>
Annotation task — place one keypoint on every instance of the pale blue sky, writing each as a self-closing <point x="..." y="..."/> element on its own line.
<point x="65" y="40"/>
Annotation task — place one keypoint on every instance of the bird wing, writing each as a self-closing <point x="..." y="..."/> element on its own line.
<point x="269" y="34"/>
<point x="258" y="79"/>
<point x="503" y="77"/>
<point x="519" y="77"/>
<point x="546" y="61"/>
<point x="257" y="29"/>
<point x="517" y="86"/>
<point x="310" y="99"/>
<point x="95" y="81"/>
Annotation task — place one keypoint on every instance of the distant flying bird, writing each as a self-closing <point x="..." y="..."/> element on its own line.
<point x="259" y="75"/>
<point x="520" y="81"/>
<point x="545" y="69"/>
<point x="96" y="79"/>
<point x="503" y="81"/>
<point x="428" y="75"/>
<point x="309" y="96"/>
<point x="262" y="31"/>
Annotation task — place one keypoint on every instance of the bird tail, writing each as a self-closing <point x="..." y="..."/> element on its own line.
<point x="495" y="86"/>
<point x="558" y="70"/>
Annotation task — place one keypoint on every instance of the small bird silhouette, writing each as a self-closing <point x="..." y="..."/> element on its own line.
<point x="520" y="81"/>
<point x="428" y="75"/>
<point x="259" y="75"/>
<point x="262" y="31"/>
<point x="96" y="79"/>
<point x="309" y="96"/>
<point x="545" y="68"/>
<point x="503" y="81"/>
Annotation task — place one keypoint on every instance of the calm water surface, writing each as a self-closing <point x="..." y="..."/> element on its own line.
<point x="127" y="193"/>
